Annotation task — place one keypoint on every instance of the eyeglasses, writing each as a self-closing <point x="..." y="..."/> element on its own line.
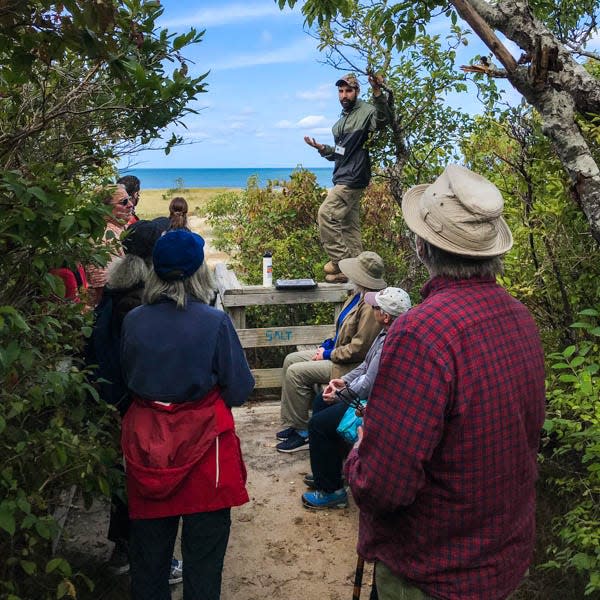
<point x="350" y="398"/>
<point x="124" y="201"/>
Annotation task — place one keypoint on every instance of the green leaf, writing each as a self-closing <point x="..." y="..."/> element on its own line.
<point x="66" y="223"/>
<point x="29" y="567"/>
<point x="59" y="563"/>
<point x="7" y="520"/>
<point x="103" y="485"/>
<point x="38" y="192"/>
<point x="41" y="526"/>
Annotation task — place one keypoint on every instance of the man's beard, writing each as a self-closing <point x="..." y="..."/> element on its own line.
<point x="347" y="105"/>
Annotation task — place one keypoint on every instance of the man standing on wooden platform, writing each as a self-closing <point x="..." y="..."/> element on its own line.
<point x="339" y="215"/>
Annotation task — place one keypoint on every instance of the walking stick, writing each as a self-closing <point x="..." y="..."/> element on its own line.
<point x="358" y="577"/>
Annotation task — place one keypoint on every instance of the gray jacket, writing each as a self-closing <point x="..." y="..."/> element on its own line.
<point x="350" y="132"/>
<point x="360" y="380"/>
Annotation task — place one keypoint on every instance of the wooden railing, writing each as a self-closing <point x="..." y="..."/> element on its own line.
<point x="234" y="298"/>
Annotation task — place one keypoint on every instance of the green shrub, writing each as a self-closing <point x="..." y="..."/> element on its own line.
<point x="55" y="433"/>
<point x="573" y="426"/>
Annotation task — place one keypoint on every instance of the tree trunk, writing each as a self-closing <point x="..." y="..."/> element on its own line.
<point x="554" y="84"/>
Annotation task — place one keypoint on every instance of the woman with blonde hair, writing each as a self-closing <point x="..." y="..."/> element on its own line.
<point x="185" y="368"/>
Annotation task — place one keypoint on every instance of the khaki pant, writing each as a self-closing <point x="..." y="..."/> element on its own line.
<point x="300" y="374"/>
<point x="339" y="222"/>
<point x="391" y="587"/>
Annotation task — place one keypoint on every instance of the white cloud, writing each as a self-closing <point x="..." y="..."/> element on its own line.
<point x="321" y="131"/>
<point x="299" y="51"/>
<point x="223" y="15"/>
<point x="323" y="92"/>
<point x="311" y="122"/>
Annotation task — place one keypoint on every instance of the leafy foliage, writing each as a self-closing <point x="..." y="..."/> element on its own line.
<point x="573" y="426"/>
<point x="553" y="266"/>
<point x="81" y="83"/>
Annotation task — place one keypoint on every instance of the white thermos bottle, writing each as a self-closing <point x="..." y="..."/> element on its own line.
<point x="267" y="269"/>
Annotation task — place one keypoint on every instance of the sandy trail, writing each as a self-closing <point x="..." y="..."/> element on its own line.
<point x="277" y="548"/>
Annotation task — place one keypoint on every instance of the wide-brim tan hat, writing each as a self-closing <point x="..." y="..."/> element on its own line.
<point x="460" y="212"/>
<point x="366" y="270"/>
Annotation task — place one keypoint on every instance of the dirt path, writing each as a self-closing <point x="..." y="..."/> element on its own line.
<point x="277" y="548"/>
<point x="212" y="255"/>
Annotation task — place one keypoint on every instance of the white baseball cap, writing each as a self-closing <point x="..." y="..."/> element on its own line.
<point x="391" y="300"/>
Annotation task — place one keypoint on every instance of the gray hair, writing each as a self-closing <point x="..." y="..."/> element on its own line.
<point x="127" y="271"/>
<point x="439" y="262"/>
<point x="200" y="286"/>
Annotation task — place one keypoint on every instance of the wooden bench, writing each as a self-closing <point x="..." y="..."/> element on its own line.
<point x="233" y="298"/>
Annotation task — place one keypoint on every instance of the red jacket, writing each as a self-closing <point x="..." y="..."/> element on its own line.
<point x="182" y="458"/>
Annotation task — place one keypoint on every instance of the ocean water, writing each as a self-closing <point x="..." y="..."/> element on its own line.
<point x="216" y="178"/>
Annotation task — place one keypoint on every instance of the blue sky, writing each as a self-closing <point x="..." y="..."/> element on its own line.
<point x="266" y="88"/>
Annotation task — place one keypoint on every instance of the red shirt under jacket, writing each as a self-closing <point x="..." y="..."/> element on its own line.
<point x="182" y="458"/>
<point x="444" y="476"/>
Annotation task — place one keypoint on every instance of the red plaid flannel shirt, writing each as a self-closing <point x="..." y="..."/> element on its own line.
<point x="444" y="476"/>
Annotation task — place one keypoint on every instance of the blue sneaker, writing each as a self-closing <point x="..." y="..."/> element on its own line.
<point x="284" y="434"/>
<point x="176" y="573"/>
<point x="294" y="443"/>
<point x="319" y="500"/>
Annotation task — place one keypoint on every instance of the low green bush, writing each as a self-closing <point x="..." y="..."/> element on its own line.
<point x="573" y="428"/>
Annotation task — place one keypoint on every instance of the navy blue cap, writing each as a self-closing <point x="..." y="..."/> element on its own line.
<point x="178" y="254"/>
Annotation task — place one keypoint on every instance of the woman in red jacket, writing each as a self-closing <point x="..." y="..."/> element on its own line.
<point x="185" y="368"/>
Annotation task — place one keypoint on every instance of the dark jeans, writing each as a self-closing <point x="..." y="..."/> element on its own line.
<point x="326" y="446"/>
<point x="119" y="524"/>
<point x="203" y="544"/>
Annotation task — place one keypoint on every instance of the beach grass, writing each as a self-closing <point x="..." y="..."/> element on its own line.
<point x="155" y="203"/>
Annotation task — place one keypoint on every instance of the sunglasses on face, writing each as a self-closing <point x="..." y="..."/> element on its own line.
<point x="124" y="201"/>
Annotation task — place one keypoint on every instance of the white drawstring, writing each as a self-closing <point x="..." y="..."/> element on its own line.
<point x="217" y="453"/>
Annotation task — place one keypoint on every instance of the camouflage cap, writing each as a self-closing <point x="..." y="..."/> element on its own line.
<point x="350" y="80"/>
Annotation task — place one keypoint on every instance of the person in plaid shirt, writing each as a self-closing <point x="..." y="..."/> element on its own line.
<point x="445" y="472"/>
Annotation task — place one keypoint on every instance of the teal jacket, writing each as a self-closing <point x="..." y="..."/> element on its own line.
<point x="350" y="132"/>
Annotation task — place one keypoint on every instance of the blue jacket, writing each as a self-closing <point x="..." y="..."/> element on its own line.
<point x="172" y="355"/>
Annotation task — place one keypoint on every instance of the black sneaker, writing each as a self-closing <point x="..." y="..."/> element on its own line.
<point x="118" y="563"/>
<point x="284" y="434"/>
<point x="309" y="481"/>
<point x="293" y="444"/>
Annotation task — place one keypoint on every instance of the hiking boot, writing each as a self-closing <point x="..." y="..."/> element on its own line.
<point x="319" y="500"/>
<point x="176" y="573"/>
<point x="309" y="481"/>
<point x="294" y="443"/>
<point x="331" y="268"/>
<point x="284" y="434"/>
<point x="118" y="564"/>
<point x="336" y="278"/>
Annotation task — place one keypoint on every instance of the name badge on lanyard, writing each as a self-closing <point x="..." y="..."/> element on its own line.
<point x="340" y="150"/>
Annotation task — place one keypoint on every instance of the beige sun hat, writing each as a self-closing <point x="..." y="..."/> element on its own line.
<point x="460" y="212"/>
<point x="366" y="270"/>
